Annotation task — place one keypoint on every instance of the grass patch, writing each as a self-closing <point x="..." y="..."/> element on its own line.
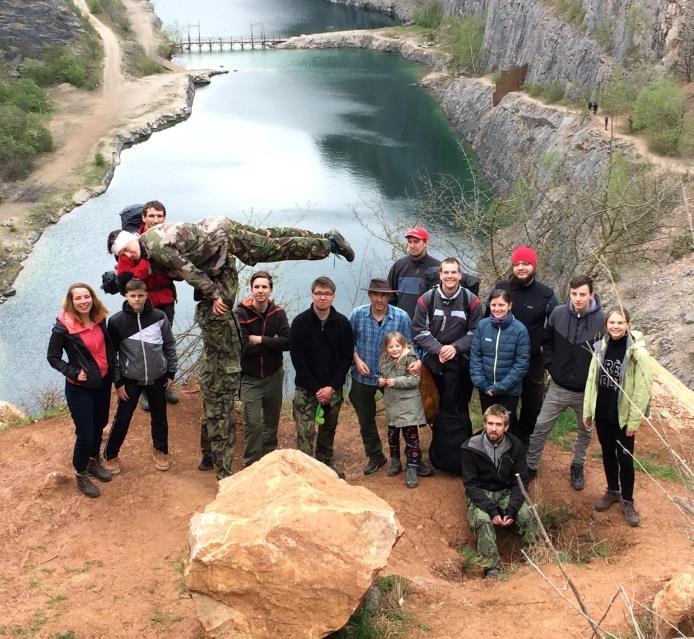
<point x="179" y="568"/>
<point x="54" y="601"/>
<point x="390" y="620"/>
<point x="65" y="635"/>
<point x="547" y="93"/>
<point x="469" y="559"/>
<point x="563" y="431"/>
<point x="165" y="620"/>
<point x="147" y="66"/>
<point x="429" y="15"/>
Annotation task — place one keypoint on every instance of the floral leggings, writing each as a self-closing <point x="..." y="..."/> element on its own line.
<point x="413" y="452"/>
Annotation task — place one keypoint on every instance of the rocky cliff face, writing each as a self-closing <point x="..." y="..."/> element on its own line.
<point x="26" y="26"/>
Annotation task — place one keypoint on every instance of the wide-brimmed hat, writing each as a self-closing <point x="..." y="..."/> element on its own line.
<point x="379" y="285"/>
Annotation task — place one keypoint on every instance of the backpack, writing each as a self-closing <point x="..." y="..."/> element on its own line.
<point x="448" y="434"/>
<point x="130" y="220"/>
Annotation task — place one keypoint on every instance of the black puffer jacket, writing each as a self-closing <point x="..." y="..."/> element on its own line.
<point x="78" y="355"/>
<point x="480" y="474"/>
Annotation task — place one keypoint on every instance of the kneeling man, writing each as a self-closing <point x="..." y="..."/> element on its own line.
<point x="490" y="461"/>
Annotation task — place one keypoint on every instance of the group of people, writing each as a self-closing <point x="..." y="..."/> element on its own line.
<point x="425" y="318"/>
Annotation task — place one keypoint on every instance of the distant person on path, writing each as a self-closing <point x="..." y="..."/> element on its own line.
<point x="403" y="404"/>
<point x="265" y="335"/>
<point x="370" y="325"/>
<point x="407" y="275"/>
<point x="499" y="357"/>
<point x="321" y="346"/>
<point x="566" y="350"/>
<point x="204" y="255"/>
<point x="618" y="392"/>
<point x="607" y="121"/>
<point x="532" y="304"/>
<point x="80" y="332"/>
<point x="443" y="325"/>
<point x="161" y="290"/>
<point x="490" y="461"/>
<point x="146" y="352"/>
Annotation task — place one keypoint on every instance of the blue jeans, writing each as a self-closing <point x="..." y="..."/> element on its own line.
<point x="89" y="409"/>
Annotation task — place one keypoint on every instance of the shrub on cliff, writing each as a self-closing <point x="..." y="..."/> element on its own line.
<point x="25" y="94"/>
<point x="22" y="137"/>
<point x="429" y="15"/>
<point x="464" y="41"/>
<point x="59" y="64"/>
<point x="659" y="113"/>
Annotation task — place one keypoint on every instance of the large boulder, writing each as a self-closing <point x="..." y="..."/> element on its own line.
<point x="674" y="607"/>
<point x="286" y="550"/>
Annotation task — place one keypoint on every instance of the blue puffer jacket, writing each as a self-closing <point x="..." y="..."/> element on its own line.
<point x="499" y="356"/>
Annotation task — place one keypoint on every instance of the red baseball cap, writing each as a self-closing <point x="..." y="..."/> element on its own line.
<point x="418" y="232"/>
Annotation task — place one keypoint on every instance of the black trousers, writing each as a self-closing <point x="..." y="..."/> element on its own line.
<point x="618" y="464"/>
<point x="531" y="398"/>
<point x="455" y="388"/>
<point x="156" y="395"/>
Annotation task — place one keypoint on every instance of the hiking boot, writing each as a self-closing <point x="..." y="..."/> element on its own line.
<point x="339" y="245"/>
<point x="492" y="573"/>
<point x="144" y="403"/>
<point x="161" y="460"/>
<point x="375" y="462"/>
<point x="95" y="469"/>
<point x="411" y="477"/>
<point x="338" y="471"/>
<point x="205" y="463"/>
<point x="111" y="465"/>
<point x="423" y="469"/>
<point x="85" y="485"/>
<point x="171" y="396"/>
<point x="578" y="481"/>
<point x="632" y="517"/>
<point x="610" y="497"/>
<point x="395" y="467"/>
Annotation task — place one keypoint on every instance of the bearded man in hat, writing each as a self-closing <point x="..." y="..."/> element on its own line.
<point x="370" y="324"/>
<point x="533" y="303"/>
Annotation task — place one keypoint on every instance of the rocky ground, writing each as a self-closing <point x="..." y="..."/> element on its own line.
<point x="112" y="567"/>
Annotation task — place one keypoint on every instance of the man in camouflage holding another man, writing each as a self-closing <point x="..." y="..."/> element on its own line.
<point x="204" y="255"/>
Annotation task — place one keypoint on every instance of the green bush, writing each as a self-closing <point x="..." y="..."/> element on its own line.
<point x="429" y="15"/>
<point x="619" y="95"/>
<point x="25" y="94"/>
<point x="659" y="113"/>
<point x="464" y="40"/>
<point x="58" y="65"/>
<point x="603" y="34"/>
<point x="95" y="7"/>
<point x="22" y="137"/>
<point x="147" y="66"/>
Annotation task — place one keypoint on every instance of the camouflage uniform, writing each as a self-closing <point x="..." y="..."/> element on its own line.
<point x="304" y="411"/>
<point x="204" y="255"/>
<point x="481" y="524"/>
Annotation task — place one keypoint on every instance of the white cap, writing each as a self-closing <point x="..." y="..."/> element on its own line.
<point x="122" y="239"/>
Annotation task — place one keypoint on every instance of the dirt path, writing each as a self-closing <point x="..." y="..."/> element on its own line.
<point x="111" y="567"/>
<point x="82" y="120"/>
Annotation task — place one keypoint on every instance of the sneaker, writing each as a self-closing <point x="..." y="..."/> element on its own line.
<point x="144" y="402"/>
<point x="375" y="462"/>
<point x="395" y="467"/>
<point x="161" y="460"/>
<point x="492" y="573"/>
<point x="423" y="469"/>
<point x="610" y="497"/>
<point x="630" y="514"/>
<point x="205" y="463"/>
<point x="95" y="469"/>
<point x="578" y="481"/>
<point x="171" y="396"/>
<point x="339" y="245"/>
<point x="85" y="485"/>
<point x="111" y="465"/>
<point x="411" y="477"/>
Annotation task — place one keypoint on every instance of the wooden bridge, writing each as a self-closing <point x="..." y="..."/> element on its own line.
<point x="227" y="43"/>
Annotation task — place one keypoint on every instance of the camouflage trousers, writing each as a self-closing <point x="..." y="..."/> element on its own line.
<point x="308" y="434"/>
<point x="252" y="245"/>
<point x="482" y="526"/>
<point x="220" y="379"/>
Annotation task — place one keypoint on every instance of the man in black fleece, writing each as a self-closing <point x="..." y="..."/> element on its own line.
<point x="490" y="461"/>
<point x="321" y="346"/>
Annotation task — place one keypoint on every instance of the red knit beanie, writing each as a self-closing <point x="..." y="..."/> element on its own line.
<point x="524" y="253"/>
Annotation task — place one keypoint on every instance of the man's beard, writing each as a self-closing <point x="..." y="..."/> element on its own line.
<point x="517" y="281"/>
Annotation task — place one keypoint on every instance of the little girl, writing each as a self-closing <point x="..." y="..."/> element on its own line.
<point x="403" y="402"/>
